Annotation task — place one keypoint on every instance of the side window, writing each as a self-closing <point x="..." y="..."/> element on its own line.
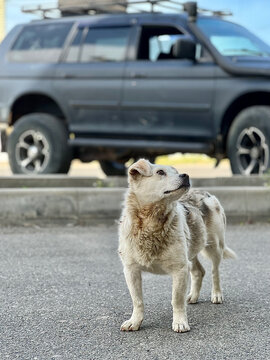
<point x="156" y="42"/>
<point x="105" y="44"/>
<point x="40" y="43"/>
<point x="73" y="52"/>
<point x="161" y="46"/>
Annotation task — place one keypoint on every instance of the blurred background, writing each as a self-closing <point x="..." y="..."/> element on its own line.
<point x="253" y="14"/>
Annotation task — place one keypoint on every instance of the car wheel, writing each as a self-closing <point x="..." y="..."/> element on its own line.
<point x="113" y="168"/>
<point x="38" y="145"/>
<point x="248" y="141"/>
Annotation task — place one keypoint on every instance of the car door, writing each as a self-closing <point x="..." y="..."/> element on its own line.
<point x="90" y="78"/>
<point x="167" y="97"/>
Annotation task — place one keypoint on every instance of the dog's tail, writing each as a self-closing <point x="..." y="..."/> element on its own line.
<point x="229" y="253"/>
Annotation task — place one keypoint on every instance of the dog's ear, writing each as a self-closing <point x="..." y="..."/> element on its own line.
<point x="141" y="167"/>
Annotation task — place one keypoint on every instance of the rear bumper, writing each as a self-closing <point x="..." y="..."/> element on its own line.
<point x="4" y="116"/>
<point x="3" y="140"/>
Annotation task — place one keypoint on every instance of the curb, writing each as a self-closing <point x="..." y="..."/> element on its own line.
<point x="83" y="205"/>
<point x="64" y="181"/>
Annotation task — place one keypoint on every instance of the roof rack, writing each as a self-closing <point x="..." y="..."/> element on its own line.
<point x="46" y="12"/>
<point x="85" y="7"/>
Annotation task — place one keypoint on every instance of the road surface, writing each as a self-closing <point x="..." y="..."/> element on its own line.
<point x="63" y="296"/>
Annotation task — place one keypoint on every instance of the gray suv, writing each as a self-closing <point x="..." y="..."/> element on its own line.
<point x="115" y="87"/>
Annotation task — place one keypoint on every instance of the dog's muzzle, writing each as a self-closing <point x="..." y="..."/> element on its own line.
<point x="184" y="183"/>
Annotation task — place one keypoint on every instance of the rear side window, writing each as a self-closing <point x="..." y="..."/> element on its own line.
<point x="40" y="43"/>
<point x="107" y="44"/>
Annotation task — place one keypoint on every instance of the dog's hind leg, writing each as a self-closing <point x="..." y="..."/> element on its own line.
<point x="214" y="253"/>
<point x="197" y="274"/>
<point x="134" y="282"/>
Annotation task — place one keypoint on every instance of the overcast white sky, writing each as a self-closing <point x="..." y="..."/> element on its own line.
<point x="253" y="14"/>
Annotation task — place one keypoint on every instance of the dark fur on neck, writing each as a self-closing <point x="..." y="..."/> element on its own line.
<point x="151" y="227"/>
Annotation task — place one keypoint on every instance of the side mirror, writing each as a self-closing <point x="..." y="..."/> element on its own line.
<point x="184" y="48"/>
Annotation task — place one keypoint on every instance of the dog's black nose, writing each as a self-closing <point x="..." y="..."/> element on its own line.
<point x="185" y="179"/>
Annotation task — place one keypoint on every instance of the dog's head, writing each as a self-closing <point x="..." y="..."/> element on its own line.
<point x="152" y="183"/>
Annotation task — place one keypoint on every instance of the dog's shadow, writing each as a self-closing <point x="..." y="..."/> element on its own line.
<point x="201" y="315"/>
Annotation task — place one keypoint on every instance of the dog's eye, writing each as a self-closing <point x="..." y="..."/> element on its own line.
<point x="161" y="172"/>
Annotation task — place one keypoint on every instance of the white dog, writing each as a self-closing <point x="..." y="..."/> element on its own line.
<point x="162" y="229"/>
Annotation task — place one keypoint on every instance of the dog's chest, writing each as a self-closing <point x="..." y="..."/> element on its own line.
<point x="150" y="241"/>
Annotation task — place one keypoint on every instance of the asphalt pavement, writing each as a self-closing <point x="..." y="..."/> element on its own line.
<point x="63" y="296"/>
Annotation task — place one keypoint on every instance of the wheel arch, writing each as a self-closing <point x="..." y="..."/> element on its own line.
<point x="35" y="102"/>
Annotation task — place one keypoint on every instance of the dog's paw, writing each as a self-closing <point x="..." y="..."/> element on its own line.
<point x="217" y="298"/>
<point x="130" y="325"/>
<point x="192" y="298"/>
<point x="180" y="326"/>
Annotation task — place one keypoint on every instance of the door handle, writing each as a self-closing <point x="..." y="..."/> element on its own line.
<point x="138" y="75"/>
<point x="68" y="76"/>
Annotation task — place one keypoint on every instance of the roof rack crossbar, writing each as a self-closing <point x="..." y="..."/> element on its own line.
<point x="117" y="6"/>
<point x="44" y="11"/>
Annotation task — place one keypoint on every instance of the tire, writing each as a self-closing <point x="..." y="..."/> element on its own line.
<point x="113" y="168"/>
<point x="248" y="141"/>
<point x="38" y="145"/>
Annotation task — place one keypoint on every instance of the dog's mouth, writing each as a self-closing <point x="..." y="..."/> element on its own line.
<point x="185" y="185"/>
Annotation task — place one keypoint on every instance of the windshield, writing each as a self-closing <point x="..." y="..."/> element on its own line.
<point x="231" y="39"/>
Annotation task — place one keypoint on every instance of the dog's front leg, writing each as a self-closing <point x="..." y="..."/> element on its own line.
<point x="179" y="294"/>
<point x="134" y="282"/>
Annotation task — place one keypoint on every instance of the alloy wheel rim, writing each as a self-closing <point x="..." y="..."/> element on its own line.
<point x="252" y="151"/>
<point x="32" y="152"/>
